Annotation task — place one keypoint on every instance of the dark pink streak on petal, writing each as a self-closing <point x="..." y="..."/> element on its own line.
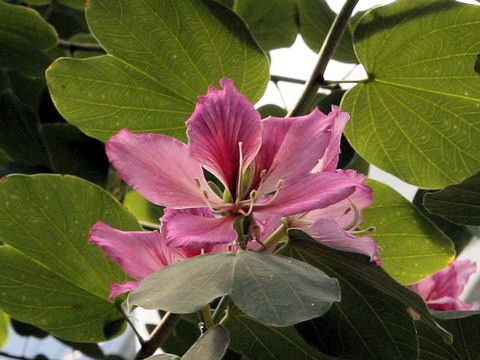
<point x="196" y="231"/>
<point x="330" y="233"/>
<point x="314" y="191"/>
<point x="139" y="253"/>
<point x="292" y="147"/>
<point x="118" y="289"/>
<point x="329" y="160"/>
<point x="441" y="290"/>
<point x="222" y="119"/>
<point x="160" y="168"/>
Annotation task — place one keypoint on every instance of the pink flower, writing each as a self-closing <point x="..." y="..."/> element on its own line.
<point x="265" y="166"/>
<point x="441" y="290"/>
<point x="141" y="253"/>
<point x="334" y="225"/>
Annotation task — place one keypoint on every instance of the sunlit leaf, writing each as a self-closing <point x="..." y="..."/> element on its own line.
<point x="24" y="38"/>
<point x="51" y="275"/>
<point x="273" y="289"/>
<point x="4" y="322"/>
<point x="417" y="116"/>
<point x="373" y="320"/>
<point x="457" y="203"/>
<point x="412" y="246"/>
<point x="162" y="56"/>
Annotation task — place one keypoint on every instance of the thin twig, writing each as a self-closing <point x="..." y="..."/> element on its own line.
<point x="158" y="336"/>
<point x="305" y="102"/>
<point x="221" y="308"/>
<point x="10" y="356"/>
<point x="74" y="46"/>
<point x="129" y="322"/>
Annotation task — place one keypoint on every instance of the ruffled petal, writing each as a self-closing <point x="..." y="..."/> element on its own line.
<point x="183" y="229"/>
<point x="329" y="160"/>
<point x="343" y="212"/>
<point x="441" y="290"/>
<point x="139" y="253"/>
<point x="118" y="289"/>
<point x="291" y="147"/>
<point x="160" y="168"/>
<point x="221" y="120"/>
<point x="316" y="190"/>
<point x="330" y="233"/>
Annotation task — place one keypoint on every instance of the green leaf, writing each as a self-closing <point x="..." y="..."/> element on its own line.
<point x="72" y="152"/>
<point x="477" y="64"/>
<point x="281" y="291"/>
<point x="19" y="135"/>
<point x="4" y="322"/>
<point x="24" y="37"/>
<point x="51" y="275"/>
<point x="459" y="234"/>
<point x="315" y="18"/>
<point x="373" y="320"/>
<point x="417" y="117"/>
<point x="459" y="203"/>
<point x="27" y="90"/>
<point x="465" y="330"/>
<point x="272" y="23"/>
<point x="142" y="208"/>
<point x="412" y="246"/>
<point x="271" y="110"/>
<point x="183" y="336"/>
<point x="25" y="329"/>
<point x="272" y="289"/>
<point x="260" y="342"/>
<point x="212" y="345"/>
<point x="162" y="56"/>
<point x="164" y="357"/>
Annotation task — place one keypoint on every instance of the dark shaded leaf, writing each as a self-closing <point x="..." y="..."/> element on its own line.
<point x="459" y="234"/>
<point x="459" y="203"/>
<point x="24" y="37"/>
<point x="211" y="345"/>
<point x="464" y="326"/>
<point x="373" y="320"/>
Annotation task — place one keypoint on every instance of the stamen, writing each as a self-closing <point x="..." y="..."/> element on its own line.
<point x="278" y="187"/>
<point x="198" y="183"/>
<point x="369" y="229"/>
<point x="239" y="175"/>
<point x="356" y="216"/>
<point x="250" y="208"/>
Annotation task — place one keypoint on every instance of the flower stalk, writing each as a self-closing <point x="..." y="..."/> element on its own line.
<point x="305" y="103"/>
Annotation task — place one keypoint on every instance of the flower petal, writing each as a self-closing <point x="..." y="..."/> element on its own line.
<point x="330" y="233"/>
<point x="291" y="147"/>
<point x="222" y="119"/>
<point x="442" y="289"/>
<point x="342" y="211"/>
<point x="183" y="229"/>
<point x="160" y="168"/>
<point x="139" y="253"/>
<point x="329" y="160"/>
<point x="118" y="289"/>
<point x="314" y="191"/>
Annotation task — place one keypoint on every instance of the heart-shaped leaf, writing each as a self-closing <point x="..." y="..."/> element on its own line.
<point x="273" y="289"/>
<point x="417" y="115"/>
<point x="161" y="56"/>
<point x="51" y="275"/>
<point x="412" y="246"/>
<point x="373" y="320"/>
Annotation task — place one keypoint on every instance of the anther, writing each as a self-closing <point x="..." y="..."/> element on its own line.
<point x="198" y="183"/>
